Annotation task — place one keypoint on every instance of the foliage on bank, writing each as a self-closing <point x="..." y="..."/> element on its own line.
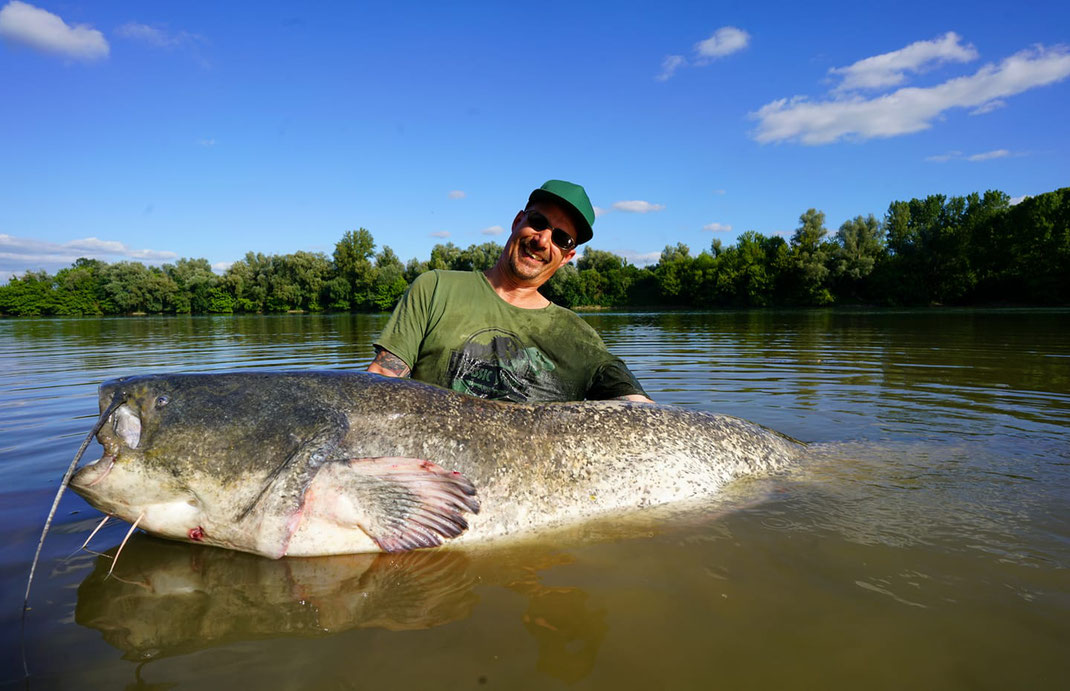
<point x="937" y="250"/>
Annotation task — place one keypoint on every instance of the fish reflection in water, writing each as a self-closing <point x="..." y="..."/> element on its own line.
<point x="166" y="599"/>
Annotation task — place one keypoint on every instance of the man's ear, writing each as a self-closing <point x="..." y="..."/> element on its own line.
<point x="516" y="221"/>
<point x="567" y="257"/>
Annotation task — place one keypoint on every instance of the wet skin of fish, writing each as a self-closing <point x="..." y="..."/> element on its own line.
<point x="326" y="462"/>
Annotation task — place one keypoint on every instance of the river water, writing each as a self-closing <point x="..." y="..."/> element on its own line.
<point x="923" y="541"/>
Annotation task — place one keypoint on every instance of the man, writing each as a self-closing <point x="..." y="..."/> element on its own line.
<point x="492" y="334"/>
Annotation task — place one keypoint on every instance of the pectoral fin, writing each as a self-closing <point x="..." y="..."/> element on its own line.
<point x="400" y="503"/>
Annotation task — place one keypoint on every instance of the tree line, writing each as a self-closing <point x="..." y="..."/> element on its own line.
<point x="976" y="249"/>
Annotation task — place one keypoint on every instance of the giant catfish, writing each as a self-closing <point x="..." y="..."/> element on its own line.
<point x="327" y="462"/>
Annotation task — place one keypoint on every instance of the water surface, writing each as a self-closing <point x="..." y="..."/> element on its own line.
<point x="923" y="541"/>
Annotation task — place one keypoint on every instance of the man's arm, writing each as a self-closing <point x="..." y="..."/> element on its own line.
<point x="405" y="329"/>
<point x="614" y="381"/>
<point x="388" y="364"/>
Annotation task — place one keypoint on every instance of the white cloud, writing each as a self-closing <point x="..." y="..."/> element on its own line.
<point x="456" y="194"/>
<point x="989" y="155"/>
<point x="943" y="158"/>
<point x="637" y="206"/>
<point x="669" y="65"/>
<point x="717" y="227"/>
<point x="493" y="230"/>
<point x="440" y="234"/>
<point x="889" y="69"/>
<point x="207" y="143"/>
<point x="639" y="258"/>
<point x="724" y="41"/>
<point x="908" y="109"/>
<point x="18" y="255"/>
<point x="156" y="37"/>
<point x="599" y="211"/>
<point x="221" y="267"/>
<point x="41" y="30"/>
<point x="1014" y="201"/>
<point x="974" y="158"/>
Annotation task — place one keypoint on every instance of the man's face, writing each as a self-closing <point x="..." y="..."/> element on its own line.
<point x="532" y="256"/>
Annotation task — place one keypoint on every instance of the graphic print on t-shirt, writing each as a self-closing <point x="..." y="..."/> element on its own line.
<point x="494" y="363"/>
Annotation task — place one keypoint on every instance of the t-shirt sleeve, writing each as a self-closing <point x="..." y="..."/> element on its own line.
<point x="613" y="380"/>
<point x="407" y="326"/>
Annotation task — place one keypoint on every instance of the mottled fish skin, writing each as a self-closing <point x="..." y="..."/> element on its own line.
<point x="231" y="459"/>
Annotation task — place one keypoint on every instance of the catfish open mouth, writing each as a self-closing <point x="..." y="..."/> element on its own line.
<point x="122" y="427"/>
<point x="93" y="472"/>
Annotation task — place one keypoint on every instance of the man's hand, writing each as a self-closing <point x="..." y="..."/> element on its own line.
<point x="638" y="398"/>
<point x="388" y="364"/>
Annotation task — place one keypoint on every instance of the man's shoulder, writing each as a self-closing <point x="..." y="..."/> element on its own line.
<point x="440" y="285"/>
<point x="444" y="277"/>
<point x="447" y="281"/>
<point x="560" y="312"/>
<point x="579" y="325"/>
<point x="453" y="276"/>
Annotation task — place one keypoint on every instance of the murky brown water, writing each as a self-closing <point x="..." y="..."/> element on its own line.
<point x="924" y="541"/>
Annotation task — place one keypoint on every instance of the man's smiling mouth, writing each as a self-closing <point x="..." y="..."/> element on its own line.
<point x="527" y="253"/>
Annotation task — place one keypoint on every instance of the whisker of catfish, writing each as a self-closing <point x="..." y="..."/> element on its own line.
<point x="123" y="543"/>
<point x="107" y="517"/>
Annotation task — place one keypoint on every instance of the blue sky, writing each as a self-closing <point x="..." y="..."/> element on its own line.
<point x="151" y="131"/>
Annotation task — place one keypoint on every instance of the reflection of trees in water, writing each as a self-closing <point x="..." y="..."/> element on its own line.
<point x="306" y="340"/>
<point x="166" y="599"/>
<point x="933" y="361"/>
<point x="796" y="353"/>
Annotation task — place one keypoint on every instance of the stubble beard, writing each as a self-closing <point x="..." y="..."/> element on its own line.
<point x="524" y="269"/>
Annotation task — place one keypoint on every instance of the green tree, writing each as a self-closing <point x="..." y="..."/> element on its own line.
<point x="985" y="219"/>
<point x="297" y="281"/>
<point x="606" y="278"/>
<point x="565" y="287"/>
<point x="810" y="257"/>
<point x="749" y="270"/>
<point x="353" y="263"/>
<point x="444" y="257"/>
<point x="247" y="281"/>
<point x="859" y="246"/>
<point x="938" y="247"/>
<point x="133" y="287"/>
<point x="672" y="271"/>
<point x="478" y="257"/>
<point x="194" y="280"/>
<point x="28" y="296"/>
<point x="413" y="268"/>
<point x="390" y="281"/>
<point x="78" y="288"/>
<point x="1036" y="249"/>
<point x="705" y="271"/>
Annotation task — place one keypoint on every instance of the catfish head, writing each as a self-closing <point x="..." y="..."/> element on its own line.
<point x="131" y="480"/>
<point x="264" y="463"/>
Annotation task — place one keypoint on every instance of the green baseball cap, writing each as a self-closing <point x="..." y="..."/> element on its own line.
<point x="573" y="199"/>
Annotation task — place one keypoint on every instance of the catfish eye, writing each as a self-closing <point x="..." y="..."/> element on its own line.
<point x="162" y="401"/>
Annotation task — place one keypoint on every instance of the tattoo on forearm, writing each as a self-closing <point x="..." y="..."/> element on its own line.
<point x="390" y="362"/>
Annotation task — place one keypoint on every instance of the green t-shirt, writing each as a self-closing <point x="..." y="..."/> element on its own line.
<point x="453" y="330"/>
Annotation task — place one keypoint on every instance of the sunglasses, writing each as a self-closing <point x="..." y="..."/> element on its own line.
<point x="559" y="237"/>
